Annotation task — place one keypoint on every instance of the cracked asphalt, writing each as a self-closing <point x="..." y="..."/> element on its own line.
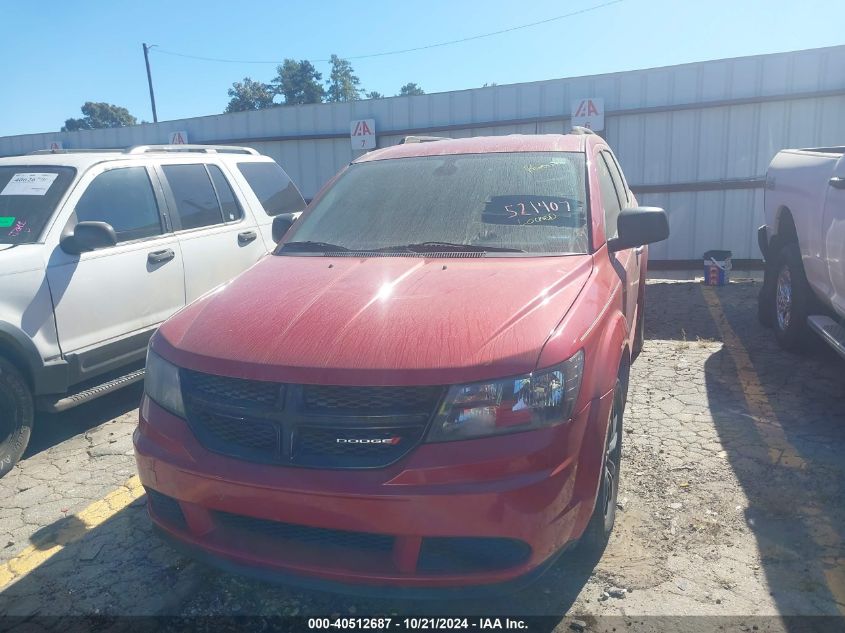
<point x="731" y="502"/>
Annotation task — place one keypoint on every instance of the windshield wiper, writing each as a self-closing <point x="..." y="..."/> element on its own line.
<point x="314" y="247"/>
<point x="438" y="247"/>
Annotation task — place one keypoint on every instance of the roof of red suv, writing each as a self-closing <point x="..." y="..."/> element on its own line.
<point x="483" y="145"/>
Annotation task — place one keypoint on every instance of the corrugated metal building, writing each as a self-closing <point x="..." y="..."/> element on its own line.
<point x="695" y="139"/>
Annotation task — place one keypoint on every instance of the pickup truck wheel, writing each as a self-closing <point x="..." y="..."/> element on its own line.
<point x="16" y="416"/>
<point x="601" y="523"/>
<point x="766" y="297"/>
<point x="792" y="299"/>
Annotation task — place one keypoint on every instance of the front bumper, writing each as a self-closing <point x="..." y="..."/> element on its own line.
<point x="512" y="501"/>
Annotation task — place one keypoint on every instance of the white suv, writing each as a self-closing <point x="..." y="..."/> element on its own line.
<point x="98" y="248"/>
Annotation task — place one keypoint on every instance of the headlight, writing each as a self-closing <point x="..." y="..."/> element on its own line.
<point x="161" y="384"/>
<point x="523" y="403"/>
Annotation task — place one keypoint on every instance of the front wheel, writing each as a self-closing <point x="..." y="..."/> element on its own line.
<point x="601" y="523"/>
<point x="16" y="416"/>
<point x="792" y="299"/>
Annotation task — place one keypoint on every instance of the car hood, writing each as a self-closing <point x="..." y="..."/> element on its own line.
<point x="377" y="320"/>
<point x="21" y="258"/>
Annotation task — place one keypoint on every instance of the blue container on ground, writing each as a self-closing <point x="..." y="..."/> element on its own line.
<point x="717" y="268"/>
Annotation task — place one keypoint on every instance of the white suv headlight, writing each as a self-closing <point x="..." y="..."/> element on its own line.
<point x="540" y="399"/>
<point x="162" y="385"/>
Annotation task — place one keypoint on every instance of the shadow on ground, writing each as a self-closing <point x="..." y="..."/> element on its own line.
<point x="781" y="421"/>
<point x="118" y="567"/>
<point x="51" y="429"/>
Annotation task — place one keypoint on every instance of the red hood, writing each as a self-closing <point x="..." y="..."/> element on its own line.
<point x="377" y="321"/>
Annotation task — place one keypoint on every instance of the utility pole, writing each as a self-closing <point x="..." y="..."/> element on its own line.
<point x="150" y="80"/>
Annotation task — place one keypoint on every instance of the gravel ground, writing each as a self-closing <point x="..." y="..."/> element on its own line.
<point x="730" y="502"/>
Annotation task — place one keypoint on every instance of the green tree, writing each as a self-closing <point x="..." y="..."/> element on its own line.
<point x="249" y="95"/>
<point x="373" y="95"/>
<point x="410" y="90"/>
<point x="298" y="82"/>
<point x="100" y="115"/>
<point x="342" y="83"/>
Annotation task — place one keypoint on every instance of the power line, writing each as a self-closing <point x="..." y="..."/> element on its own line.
<point x="404" y="50"/>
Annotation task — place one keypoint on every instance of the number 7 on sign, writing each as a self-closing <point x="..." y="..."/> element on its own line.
<point x="362" y="133"/>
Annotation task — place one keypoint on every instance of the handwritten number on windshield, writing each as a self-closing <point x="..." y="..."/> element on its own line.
<point x="534" y="208"/>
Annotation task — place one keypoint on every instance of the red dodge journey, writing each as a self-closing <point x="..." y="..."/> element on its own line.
<point x="423" y="386"/>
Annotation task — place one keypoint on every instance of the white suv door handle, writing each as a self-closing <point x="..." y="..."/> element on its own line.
<point x="837" y="182"/>
<point x="246" y="237"/>
<point x="157" y="257"/>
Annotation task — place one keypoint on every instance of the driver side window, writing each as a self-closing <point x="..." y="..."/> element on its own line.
<point x="123" y="198"/>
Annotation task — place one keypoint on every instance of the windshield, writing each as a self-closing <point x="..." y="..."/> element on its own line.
<point x="532" y="202"/>
<point x="28" y="196"/>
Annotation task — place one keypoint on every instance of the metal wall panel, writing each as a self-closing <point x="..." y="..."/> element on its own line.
<point x="675" y="129"/>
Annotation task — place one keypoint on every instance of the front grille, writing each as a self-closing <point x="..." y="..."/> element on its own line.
<point x="306" y="425"/>
<point x="235" y="391"/>
<point x="370" y="400"/>
<point x="304" y="534"/>
<point x="166" y="508"/>
<point x="467" y="554"/>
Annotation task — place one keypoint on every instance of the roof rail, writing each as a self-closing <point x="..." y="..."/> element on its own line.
<point x="205" y="149"/>
<point x="578" y="129"/>
<point x="423" y="139"/>
<point x="72" y="151"/>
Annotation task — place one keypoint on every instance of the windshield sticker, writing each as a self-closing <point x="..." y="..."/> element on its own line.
<point x="529" y="210"/>
<point x="18" y="228"/>
<point x="6" y="221"/>
<point x="28" y="184"/>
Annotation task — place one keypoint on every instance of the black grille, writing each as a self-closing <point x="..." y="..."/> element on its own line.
<point x="466" y="554"/>
<point x="166" y="508"/>
<point x="370" y="400"/>
<point x="303" y="534"/>
<point x="235" y="391"/>
<point x="238" y="436"/>
<point x="306" y="425"/>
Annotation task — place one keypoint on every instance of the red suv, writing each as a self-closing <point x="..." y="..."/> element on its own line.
<point x="423" y="386"/>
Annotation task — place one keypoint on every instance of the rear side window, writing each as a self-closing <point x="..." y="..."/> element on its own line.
<point x="610" y="201"/>
<point x="273" y="187"/>
<point x="196" y="201"/>
<point x="124" y="199"/>
<point x="28" y="197"/>
<point x="228" y="202"/>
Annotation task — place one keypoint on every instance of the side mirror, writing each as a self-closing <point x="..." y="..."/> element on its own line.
<point x="88" y="236"/>
<point x="639" y="226"/>
<point x="282" y="223"/>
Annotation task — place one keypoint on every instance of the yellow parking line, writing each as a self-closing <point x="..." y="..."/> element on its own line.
<point x="781" y="452"/>
<point x="88" y="518"/>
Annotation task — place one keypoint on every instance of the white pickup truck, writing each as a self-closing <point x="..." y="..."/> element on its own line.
<point x="803" y="242"/>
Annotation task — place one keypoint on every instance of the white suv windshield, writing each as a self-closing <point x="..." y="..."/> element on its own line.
<point x="28" y="196"/>
<point x="532" y="202"/>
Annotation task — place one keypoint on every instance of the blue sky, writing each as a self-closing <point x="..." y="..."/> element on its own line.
<point x="57" y="55"/>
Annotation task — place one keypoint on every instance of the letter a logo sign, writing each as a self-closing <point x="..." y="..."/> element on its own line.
<point x="588" y="113"/>
<point x="363" y="133"/>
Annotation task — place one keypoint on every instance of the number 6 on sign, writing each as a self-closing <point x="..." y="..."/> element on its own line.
<point x="363" y="134"/>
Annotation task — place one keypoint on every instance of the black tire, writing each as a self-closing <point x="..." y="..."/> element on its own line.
<point x="16" y="416"/>
<point x="766" y="297"/>
<point x="792" y="299"/>
<point x="601" y="523"/>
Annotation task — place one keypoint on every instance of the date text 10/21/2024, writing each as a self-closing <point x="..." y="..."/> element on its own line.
<point x="417" y="623"/>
